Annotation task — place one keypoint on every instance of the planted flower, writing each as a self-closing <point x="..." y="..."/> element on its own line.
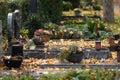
<point x="40" y="32"/>
<point x="73" y="53"/>
<point x="41" y="36"/>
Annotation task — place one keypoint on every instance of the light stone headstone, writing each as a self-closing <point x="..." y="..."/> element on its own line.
<point x="10" y="26"/>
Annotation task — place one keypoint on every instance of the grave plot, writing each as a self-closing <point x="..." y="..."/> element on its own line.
<point x="50" y="56"/>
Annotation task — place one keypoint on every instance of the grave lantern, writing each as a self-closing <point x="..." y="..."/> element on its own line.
<point x="98" y="45"/>
<point x="97" y="42"/>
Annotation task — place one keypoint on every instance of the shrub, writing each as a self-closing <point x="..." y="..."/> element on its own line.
<point x="50" y="10"/>
<point x="75" y="3"/>
<point x="4" y="9"/>
<point x="32" y="23"/>
<point x="24" y="7"/>
<point x="67" y="5"/>
<point x="13" y="5"/>
<point x="97" y="7"/>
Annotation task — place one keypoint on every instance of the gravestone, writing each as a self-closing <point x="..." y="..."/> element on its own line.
<point x="0" y="38"/>
<point x="10" y="27"/>
<point x="13" y="29"/>
<point x="33" y="7"/>
<point x="17" y="25"/>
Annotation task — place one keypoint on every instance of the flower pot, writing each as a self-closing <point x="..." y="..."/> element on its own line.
<point x="75" y="58"/>
<point x="45" y="38"/>
<point x="41" y="38"/>
<point x="37" y="41"/>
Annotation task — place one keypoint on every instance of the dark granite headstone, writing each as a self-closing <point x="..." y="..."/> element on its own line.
<point x="13" y="31"/>
<point x="33" y="6"/>
<point x="17" y="50"/>
<point x="13" y="25"/>
<point x="17" y="25"/>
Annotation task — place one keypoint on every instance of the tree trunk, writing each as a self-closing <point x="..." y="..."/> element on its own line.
<point x="119" y="7"/>
<point x="108" y="10"/>
<point x="101" y="2"/>
<point x="0" y="39"/>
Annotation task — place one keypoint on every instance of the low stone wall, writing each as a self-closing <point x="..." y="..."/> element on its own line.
<point x="93" y="53"/>
<point x="41" y="54"/>
<point x="54" y="53"/>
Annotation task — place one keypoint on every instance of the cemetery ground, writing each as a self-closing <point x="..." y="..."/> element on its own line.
<point x="51" y="67"/>
<point x="46" y="64"/>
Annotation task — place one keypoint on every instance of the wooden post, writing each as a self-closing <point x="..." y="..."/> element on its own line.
<point x="0" y="39"/>
<point x="119" y="7"/>
<point x="108" y="10"/>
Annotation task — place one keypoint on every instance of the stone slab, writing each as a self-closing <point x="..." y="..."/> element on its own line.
<point x="93" y="53"/>
<point x="107" y="66"/>
<point x="41" y="54"/>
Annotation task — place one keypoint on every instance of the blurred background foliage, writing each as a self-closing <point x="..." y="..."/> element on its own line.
<point x="49" y="11"/>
